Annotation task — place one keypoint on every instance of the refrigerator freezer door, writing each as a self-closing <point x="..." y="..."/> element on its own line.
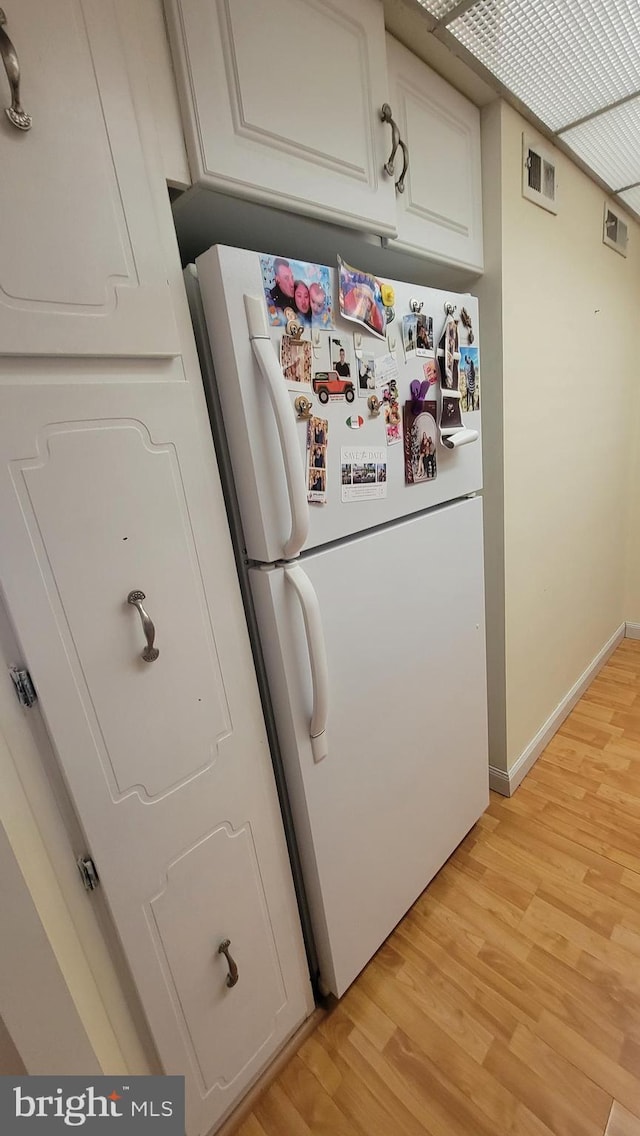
<point x="254" y="434"/>
<point x="406" y="774"/>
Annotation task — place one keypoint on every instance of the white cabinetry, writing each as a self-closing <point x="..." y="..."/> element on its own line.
<point x="282" y="105"/>
<point x="108" y="484"/>
<point x="281" y="102"/>
<point x="81" y="270"/>
<point x="440" y="211"/>
<point x="109" y="487"/>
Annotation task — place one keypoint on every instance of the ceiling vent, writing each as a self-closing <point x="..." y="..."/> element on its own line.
<point x="614" y="231"/>
<point x="539" y="183"/>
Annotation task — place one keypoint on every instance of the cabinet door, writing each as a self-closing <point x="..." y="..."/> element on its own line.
<point x="440" y="211"/>
<point x="282" y="103"/>
<point x="81" y="269"/>
<point x="105" y="490"/>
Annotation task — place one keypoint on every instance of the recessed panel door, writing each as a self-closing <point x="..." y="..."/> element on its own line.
<point x="105" y="492"/>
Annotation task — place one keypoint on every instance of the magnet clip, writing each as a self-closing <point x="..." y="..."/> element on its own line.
<point x="303" y="406"/>
<point x="294" y="329"/>
<point x="373" y="402"/>
<point x="449" y="308"/>
<point x="416" y="306"/>
<point x="466" y="320"/>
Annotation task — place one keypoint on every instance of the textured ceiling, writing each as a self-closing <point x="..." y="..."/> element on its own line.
<point x="575" y="64"/>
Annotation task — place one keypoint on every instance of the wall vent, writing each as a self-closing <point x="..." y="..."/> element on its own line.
<point x="615" y="233"/>
<point x="539" y="182"/>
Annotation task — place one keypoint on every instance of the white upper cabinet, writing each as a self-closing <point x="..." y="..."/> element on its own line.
<point x="81" y="268"/>
<point x="439" y="214"/>
<point x="282" y="102"/>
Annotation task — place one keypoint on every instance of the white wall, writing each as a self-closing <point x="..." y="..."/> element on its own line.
<point x="489" y="290"/>
<point x="570" y="368"/>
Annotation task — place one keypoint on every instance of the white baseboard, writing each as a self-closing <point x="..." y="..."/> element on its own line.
<point x="499" y="781"/>
<point x="507" y="783"/>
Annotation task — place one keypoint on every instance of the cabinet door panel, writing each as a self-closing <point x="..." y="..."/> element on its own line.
<point x="81" y="270"/>
<point x="214" y="890"/>
<point x="282" y="102"/>
<point x="105" y="489"/>
<point x="440" y="211"/>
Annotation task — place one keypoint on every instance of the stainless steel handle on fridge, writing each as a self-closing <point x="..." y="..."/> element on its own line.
<point x="317" y="657"/>
<point x="15" y="113"/>
<point x="287" y="431"/>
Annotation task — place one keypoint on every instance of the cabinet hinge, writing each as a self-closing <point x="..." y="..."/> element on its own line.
<point x="89" y="873"/>
<point x="23" y="683"/>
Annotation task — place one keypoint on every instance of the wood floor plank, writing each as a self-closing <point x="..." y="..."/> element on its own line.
<point x="578" y="1091"/>
<point x="276" y="1113"/>
<point x="608" y="1074"/>
<point x="507" y="1001"/>
<point x="543" y="1097"/>
<point x="251" y="1127"/>
<point x="314" y="1105"/>
<point x="622" y="1122"/>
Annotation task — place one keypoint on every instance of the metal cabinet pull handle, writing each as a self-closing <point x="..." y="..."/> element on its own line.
<point x="223" y="949"/>
<point x="150" y="653"/>
<point x="386" y="115"/>
<point x="14" y="113"/>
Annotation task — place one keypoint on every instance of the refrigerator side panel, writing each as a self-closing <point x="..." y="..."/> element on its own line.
<point x="406" y="774"/>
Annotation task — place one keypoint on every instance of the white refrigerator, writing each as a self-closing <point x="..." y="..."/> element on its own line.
<point x="369" y="601"/>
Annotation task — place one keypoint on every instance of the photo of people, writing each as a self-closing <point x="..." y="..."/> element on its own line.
<point x="424" y="334"/>
<point x="295" y="360"/>
<point x="449" y="346"/>
<point x="366" y="375"/>
<point x="470" y="378"/>
<point x="317" y="485"/>
<point x="420" y="433"/>
<point x="392" y="420"/>
<point x="294" y="289"/>
<point x="360" y="298"/>
<point x="451" y="418"/>
<point x="317" y="434"/>
<point x="340" y="357"/>
<point x="409" y="335"/>
<point x="431" y="372"/>
<point x="319" y="428"/>
<point x="363" y="472"/>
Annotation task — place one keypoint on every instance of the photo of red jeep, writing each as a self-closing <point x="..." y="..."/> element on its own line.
<point x="326" y="383"/>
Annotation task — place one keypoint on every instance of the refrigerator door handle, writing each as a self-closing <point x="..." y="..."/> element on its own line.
<point x="294" y="469"/>
<point x="317" y="658"/>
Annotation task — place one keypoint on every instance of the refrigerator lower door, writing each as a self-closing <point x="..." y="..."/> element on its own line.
<point x="405" y="774"/>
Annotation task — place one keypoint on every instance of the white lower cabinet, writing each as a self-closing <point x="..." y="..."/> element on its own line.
<point x="108" y="488"/>
<point x="439" y="214"/>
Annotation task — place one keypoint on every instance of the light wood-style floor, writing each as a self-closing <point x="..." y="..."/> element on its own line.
<point x="508" y="999"/>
